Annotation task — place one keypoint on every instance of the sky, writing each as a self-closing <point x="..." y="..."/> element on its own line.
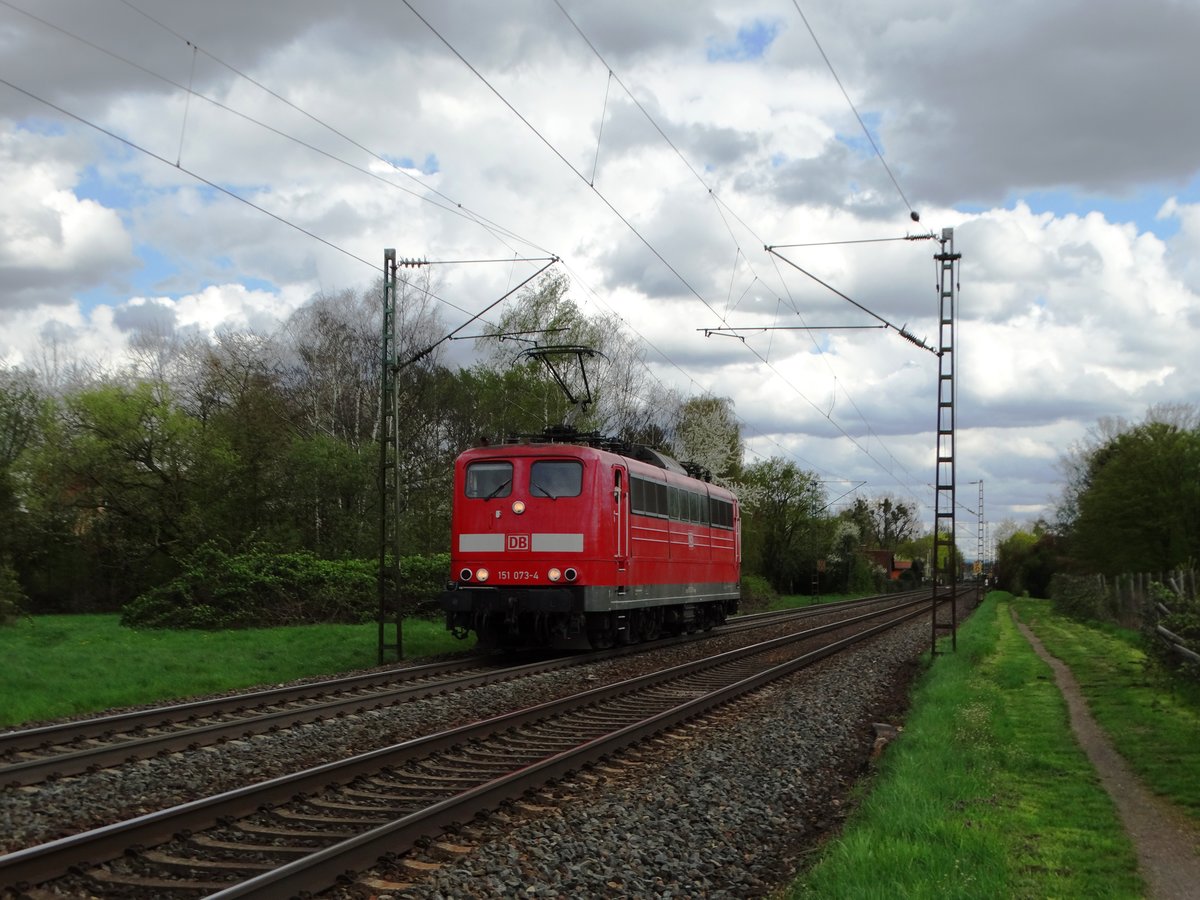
<point x="169" y="166"/>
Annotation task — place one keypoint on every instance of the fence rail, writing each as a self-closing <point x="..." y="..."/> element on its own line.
<point x="1135" y="600"/>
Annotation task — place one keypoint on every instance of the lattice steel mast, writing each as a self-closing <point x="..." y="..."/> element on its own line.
<point x="979" y="539"/>
<point x="389" y="474"/>
<point x="944" y="499"/>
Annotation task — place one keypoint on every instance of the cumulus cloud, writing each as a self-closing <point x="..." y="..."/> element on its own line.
<point x="51" y="240"/>
<point x="1065" y="315"/>
<point x="146" y="316"/>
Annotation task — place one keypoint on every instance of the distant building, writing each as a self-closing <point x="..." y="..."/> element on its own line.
<point x="886" y="560"/>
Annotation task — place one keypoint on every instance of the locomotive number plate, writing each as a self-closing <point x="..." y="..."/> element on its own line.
<point x="517" y="575"/>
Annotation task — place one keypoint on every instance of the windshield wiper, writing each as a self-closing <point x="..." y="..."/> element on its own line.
<point x="534" y="484"/>
<point x="498" y="488"/>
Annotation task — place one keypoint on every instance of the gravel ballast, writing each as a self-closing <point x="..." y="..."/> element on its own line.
<point x="722" y="808"/>
<point x="728" y="808"/>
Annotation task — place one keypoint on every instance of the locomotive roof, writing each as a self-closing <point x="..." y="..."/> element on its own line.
<point x="597" y="441"/>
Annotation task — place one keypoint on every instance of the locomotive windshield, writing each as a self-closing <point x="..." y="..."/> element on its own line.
<point x="556" y="478"/>
<point x="489" y="479"/>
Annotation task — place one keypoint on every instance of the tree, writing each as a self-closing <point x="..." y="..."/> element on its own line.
<point x="783" y="534"/>
<point x="542" y="316"/>
<point x="1138" y="508"/>
<point x="24" y="415"/>
<point x="885" y="522"/>
<point x="613" y="371"/>
<point x="1026" y="560"/>
<point x="330" y="368"/>
<point x="707" y="433"/>
<point x="113" y="488"/>
<point x="1075" y="464"/>
<point x="246" y="428"/>
<point x="849" y="568"/>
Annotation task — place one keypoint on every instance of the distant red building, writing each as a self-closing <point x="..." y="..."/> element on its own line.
<point x="887" y="561"/>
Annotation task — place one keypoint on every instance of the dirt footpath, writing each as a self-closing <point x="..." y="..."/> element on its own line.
<point x="1167" y="843"/>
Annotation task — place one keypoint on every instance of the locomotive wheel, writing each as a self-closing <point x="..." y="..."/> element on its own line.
<point x="651" y="624"/>
<point x="600" y="631"/>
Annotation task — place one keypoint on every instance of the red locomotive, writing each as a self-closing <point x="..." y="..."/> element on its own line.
<point x="589" y="543"/>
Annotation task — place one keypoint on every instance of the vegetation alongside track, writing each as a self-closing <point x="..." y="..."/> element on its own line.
<point x="59" y="666"/>
<point x="987" y="794"/>
<point x="1153" y="719"/>
<point x="69" y="665"/>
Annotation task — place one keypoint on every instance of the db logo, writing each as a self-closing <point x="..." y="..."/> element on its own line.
<point x="516" y="542"/>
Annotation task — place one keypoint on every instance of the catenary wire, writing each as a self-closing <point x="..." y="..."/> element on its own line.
<point x="235" y="196"/>
<point x="722" y="208"/>
<point x="861" y="123"/>
<point x="570" y="166"/>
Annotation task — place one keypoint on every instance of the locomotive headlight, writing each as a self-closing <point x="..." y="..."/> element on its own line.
<point x="481" y="574"/>
<point x="554" y="574"/>
<point x="465" y="574"/>
<point x="518" y="506"/>
<point x="572" y="574"/>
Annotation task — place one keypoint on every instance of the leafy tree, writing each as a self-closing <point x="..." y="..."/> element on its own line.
<point x="707" y="432"/>
<point x="783" y="535"/>
<point x="246" y="429"/>
<point x="24" y="412"/>
<point x="615" y="376"/>
<point x="543" y="316"/>
<point x="1026" y="561"/>
<point x="115" y="481"/>
<point x="920" y="550"/>
<point x="884" y="522"/>
<point x="849" y="568"/>
<point x="1138" y="508"/>
<point x="12" y="598"/>
<point x="331" y="500"/>
<point x="1075" y="465"/>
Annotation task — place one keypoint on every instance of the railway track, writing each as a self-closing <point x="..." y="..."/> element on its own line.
<point x="302" y="830"/>
<point x="28" y="756"/>
<point x="31" y="756"/>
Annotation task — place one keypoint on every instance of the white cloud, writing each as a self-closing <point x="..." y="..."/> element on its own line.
<point x="50" y="239"/>
<point x="1064" y="316"/>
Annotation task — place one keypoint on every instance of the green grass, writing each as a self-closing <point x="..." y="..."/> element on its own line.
<point x="64" y="665"/>
<point x="1152" y="719"/>
<point x="985" y="794"/>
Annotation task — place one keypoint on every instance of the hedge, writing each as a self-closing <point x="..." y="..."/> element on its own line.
<point x="260" y="588"/>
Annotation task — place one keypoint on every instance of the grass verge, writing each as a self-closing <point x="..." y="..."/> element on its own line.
<point x="1152" y="718"/>
<point x="58" y="666"/>
<point x="986" y="793"/>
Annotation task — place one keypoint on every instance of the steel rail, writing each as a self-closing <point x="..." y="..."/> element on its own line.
<point x="46" y="861"/>
<point x="363" y="851"/>
<point x="186" y="737"/>
<point x="100" y="726"/>
<point x="90" y="759"/>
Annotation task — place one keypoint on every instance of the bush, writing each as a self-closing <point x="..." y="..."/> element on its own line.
<point x="423" y="578"/>
<point x="1183" y="621"/>
<point x="264" y="589"/>
<point x="12" y="599"/>
<point x="757" y="593"/>
<point x="1079" y="597"/>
